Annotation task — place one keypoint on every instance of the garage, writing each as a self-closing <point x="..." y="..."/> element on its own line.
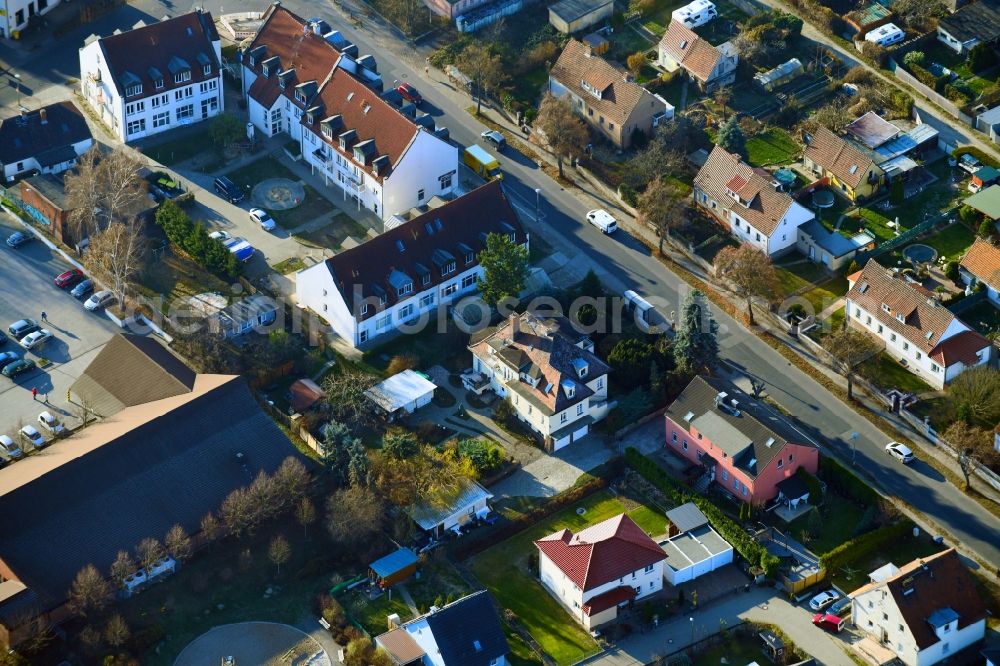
<point x="694" y="548"/>
<point x="581" y="432"/>
<point x="560" y="443"/>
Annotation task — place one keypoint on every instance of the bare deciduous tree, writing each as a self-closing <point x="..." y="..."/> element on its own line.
<point x="345" y="393"/>
<point x="210" y="528"/>
<point x="178" y="543"/>
<point x="972" y="444"/>
<point x="291" y="480"/>
<point x="662" y="207"/>
<point x="305" y="514"/>
<point x="850" y="348"/>
<point x="90" y="592"/>
<point x="116" y="633"/>
<point x="123" y="567"/>
<point x="149" y="552"/>
<point x="103" y="189"/>
<point x="354" y="515"/>
<point x="279" y="552"/>
<point x="116" y="253"/>
<point x="236" y="512"/>
<point x="563" y="131"/>
<point x="751" y="273"/>
<point x="484" y="67"/>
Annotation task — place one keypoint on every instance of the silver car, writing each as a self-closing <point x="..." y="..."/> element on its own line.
<point x="12" y="450"/>
<point x="100" y="299"/>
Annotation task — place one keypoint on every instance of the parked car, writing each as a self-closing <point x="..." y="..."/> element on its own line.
<point x="409" y="93"/>
<point x="228" y="190"/>
<point x="6" y="358"/>
<point x="10" y="449"/>
<point x="899" y="451"/>
<point x="496" y="138"/>
<point x="829" y="621"/>
<point x="490" y="518"/>
<point x="17" y="367"/>
<point x="261" y="217"/>
<point x="823" y="599"/>
<point x="603" y="220"/>
<point x="19" y="238"/>
<point x="3" y="338"/>
<point x="220" y="235"/>
<point x="100" y="299"/>
<point x="22" y="327"/>
<point x="841" y="607"/>
<point x="69" y="278"/>
<point x="36" y="339"/>
<point x="30" y="434"/>
<point x="83" y="290"/>
<point x="51" y="424"/>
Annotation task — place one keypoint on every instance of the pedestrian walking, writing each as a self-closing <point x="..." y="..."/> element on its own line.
<point x="46" y="401"/>
<point x="34" y="393"/>
<point x="45" y="316"/>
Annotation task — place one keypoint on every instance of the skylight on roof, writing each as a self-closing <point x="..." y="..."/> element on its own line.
<point x="350" y="96"/>
<point x="854" y="167"/>
<point x="399" y="246"/>
<point x="689" y="416"/>
<point x="477" y="645"/>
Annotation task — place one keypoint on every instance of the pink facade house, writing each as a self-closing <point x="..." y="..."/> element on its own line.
<point x="746" y="448"/>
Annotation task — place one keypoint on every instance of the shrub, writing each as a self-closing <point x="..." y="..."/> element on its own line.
<point x="981" y="58"/>
<point x="951" y="271"/>
<point x="845" y="482"/>
<point x="812" y="484"/>
<point x="986" y="228"/>
<point x="914" y="58"/>
<point x="402" y="362"/>
<point x="503" y="412"/>
<point x="192" y="238"/>
<point x="862" y="546"/>
<point x="484" y="455"/>
<point x="630" y="360"/>
<point x="628" y="195"/>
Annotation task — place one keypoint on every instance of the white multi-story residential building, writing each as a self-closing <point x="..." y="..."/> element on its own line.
<point x="17" y="15"/>
<point x="154" y="77"/>
<point x="547" y="371"/>
<point x="404" y="277"/>
<point x="924" y="612"/>
<point x="302" y="79"/>
<point x="599" y="569"/>
<point x="748" y="203"/>
<point x="48" y="140"/>
<point x="918" y="332"/>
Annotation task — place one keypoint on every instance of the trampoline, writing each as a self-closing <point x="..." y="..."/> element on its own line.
<point x="823" y="199"/>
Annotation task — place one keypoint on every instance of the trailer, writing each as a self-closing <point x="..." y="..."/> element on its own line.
<point x="241" y="248"/>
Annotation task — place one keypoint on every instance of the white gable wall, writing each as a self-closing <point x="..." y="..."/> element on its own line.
<point x="429" y="165"/>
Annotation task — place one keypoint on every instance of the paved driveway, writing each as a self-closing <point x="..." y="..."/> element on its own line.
<point x="25" y="291"/>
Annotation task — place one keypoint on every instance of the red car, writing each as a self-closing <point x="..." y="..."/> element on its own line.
<point x="829" y="621"/>
<point x="69" y="279"/>
<point x="410" y="94"/>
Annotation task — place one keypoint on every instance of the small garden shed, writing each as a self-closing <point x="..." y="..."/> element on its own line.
<point x="393" y="568"/>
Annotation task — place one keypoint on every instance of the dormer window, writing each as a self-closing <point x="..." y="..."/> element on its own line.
<point x="899" y="317"/>
<point x="405" y="289"/>
<point x="470" y="256"/>
<point x="582" y="371"/>
<point x="448" y="268"/>
<point x="206" y="70"/>
<point x="300" y="97"/>
<point x="886" y="308"/>
<point x="570" y="389"/>
<point x="591" y="89"/>
<point x="158" y="83"/>
<point x="182" y="76"/>
<point x="364" y="309"/>
<point x="133" y="90"/>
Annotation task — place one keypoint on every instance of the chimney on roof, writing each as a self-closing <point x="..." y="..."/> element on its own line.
<point x="515" y="326"/>
<point x="41" y="116"/>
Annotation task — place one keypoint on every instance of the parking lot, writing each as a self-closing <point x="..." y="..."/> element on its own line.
<point x="27" y="290"/>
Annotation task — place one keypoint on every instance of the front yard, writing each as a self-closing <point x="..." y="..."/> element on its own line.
<point x="841" y="517"/>
<point x="793" y="277"/>
<point x="505" y="570"/>
<point x="313" y="206"/>
<point x="825" y="295"/>
<point x="883" y="371"/>
<point x="182" y="148"/>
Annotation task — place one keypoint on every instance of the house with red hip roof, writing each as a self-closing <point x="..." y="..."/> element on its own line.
<point x="597" y="570"/>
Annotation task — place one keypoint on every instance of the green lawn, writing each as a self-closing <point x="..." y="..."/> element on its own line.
<point x="983" y="317"/>
<point x="900" y="552"/>
<point x="528" y="86"/>
<point x="173" y="279"/>
<point x="430" y="347"/>
<point x="883" y="371"/>
<point x="503" y="569"/>
<point x="180" y="149"/>
<point x="825" y="295"/>
<point x="290" y="265"/>
<point x="875" y="223"/>
<point x="799" y="276"/>
<point x="314" y="205"/>
<point x="732" y="651"/>
<point x="840" y="518"/>
<point x="952" y="242"/>
<point x="774" y="146"/>
<point x="372" y="614"/>
<point x="657" y="19"/>
<point x="626" y="41"/>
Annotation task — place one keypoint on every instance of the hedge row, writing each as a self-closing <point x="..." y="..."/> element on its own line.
<point x="474" y="544"/>
<point x="865" y="545"/>
<point x="812" y="484"/>
<point x="846" y="482"/>
<point x="987" y="160"/>
<point x="743" y="543"/>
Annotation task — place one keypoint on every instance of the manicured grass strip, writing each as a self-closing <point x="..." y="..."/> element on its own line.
<point x="952" y="242"/>
<point x="885" y="372"/>
<point x="774" y="146"/>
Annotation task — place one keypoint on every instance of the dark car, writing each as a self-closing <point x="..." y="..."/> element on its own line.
<point x="19" y="238"/>
<point x="228" y="190"/>
<point x="17" y="367"/>
<point x="496" y="138"/>
<point x="69" y="278"/>
<point x="81" y="291"/>
<point x="3" y="338"/>
<point x="410" y="93"/>
<point x="22" y="327"/>
<point x="6" y="358"/>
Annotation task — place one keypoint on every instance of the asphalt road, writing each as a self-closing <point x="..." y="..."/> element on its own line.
<point x="624" y="263"/>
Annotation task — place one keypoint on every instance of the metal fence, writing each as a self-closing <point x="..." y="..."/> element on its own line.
<point x="903" y="238"/>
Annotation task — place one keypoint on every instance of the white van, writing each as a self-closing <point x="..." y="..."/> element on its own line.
<point x="642" y="310"/>
<point x="603" y="220"/>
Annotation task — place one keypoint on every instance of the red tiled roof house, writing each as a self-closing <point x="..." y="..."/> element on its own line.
<point x="746" y="448"/>
<point x="711" y="67"/>
<point x="981" y="265"/>
<point x="918" y="332"/>
<point x="595" y="571"/>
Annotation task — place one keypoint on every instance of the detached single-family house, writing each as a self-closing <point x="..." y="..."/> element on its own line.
<point x="155" y="77"/>
<point x="401" y="394"/>
<point x="925" y="611"/>
<point x="748" y="203"/>
<point x="466" y="632"/>
<point x="572" y="16"/>
<point x="977" y="23"/>
<point x="872" y="130"/>
<point x="693" y="548"/>
<point x="437" y="517"/>
<point x="745" y="447"/>
<point x="710" y="66"/>
<point x="850" y="171"/>
<point x="547" y="371"/>
<point x="595" y="571"/>
<point x="981" y="264"/>
<point x="48" y="140"/>
<point x="918" y="332"/>
<point x="410" y="273"/>
<point x="606" y="97"/>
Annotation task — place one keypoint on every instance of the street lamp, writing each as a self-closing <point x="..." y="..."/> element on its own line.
<point x="17" y="86"/>
<point x="854" y="447"/>
<point x="538" y="201"/>
<point x="692" y="630"/>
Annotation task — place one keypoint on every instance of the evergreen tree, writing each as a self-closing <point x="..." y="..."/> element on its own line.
<point x="731" y="137"/>
<point x="335" y="450"/>
<point x="358" y="468"/>
<point x="696" y="346"/>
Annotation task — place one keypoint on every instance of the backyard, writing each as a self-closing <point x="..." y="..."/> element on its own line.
<point x="333" y="234"/>
<point x="905" y="549"/>
<point x="429" y="346"/>
<point x="774" y="146"/>
<point x="173" y="279"/>
<point x="795" y="276"/>
<point x="841" y="517"/>
<point x="984" y="317"/>
<point x="183" y="148"/>
<point x="825" y="295"/>
<point x="732" y="650"/>
<point x="952" y="242"/>
<point x="313" y="206"/>
<point x="866" y="219"/>
<point x="504" y="570"/>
